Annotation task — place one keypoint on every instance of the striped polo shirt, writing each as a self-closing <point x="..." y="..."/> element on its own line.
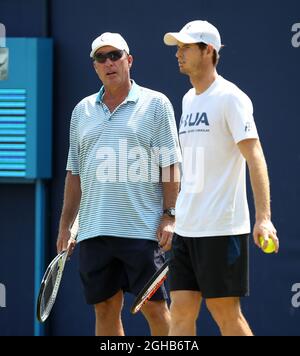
<point x="118" y="157"/>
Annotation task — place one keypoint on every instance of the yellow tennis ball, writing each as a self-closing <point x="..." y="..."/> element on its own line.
<point x="270" y="247"/>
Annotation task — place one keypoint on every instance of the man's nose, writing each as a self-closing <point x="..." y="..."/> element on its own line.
<point x="108" y="62"/>
<point x="178" y="53"/>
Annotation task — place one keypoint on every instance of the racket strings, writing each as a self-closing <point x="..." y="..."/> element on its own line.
<point x="150" y="290"/>
<point x="51" y="287"/>
<point x="51" y="280"/>
<point x="156" y="286"/>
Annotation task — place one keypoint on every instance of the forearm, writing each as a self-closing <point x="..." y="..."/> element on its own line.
<point x="252" y="151"/>
<point x="72" y="196"/>
<point x="171" y="183"/>
<point x="260" y="184"/>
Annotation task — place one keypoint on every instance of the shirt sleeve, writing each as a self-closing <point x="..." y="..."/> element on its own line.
<point x="73" y="156"/>
<point x="239" y="117"/>
<point x="165" y="136"/>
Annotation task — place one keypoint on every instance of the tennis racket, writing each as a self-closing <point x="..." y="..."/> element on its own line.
<point x="51" y="280"/>
<point x="151" y="287"/>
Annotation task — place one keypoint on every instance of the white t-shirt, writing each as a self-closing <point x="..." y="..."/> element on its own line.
<point x="212" y="200"/>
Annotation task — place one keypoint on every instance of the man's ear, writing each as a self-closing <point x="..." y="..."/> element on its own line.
<point x="130" y="60"/>
<point x="210" y="49"/>
<point x="95" y="67"/>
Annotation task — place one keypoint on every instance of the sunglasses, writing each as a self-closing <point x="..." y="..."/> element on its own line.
<point x="113" y="56"/>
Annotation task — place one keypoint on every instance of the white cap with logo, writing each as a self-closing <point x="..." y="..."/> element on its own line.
<point x="195" y="32"/>
<point x="109" y="39"/>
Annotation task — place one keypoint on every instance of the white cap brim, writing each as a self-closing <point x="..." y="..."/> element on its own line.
<point x="172" y="38"/>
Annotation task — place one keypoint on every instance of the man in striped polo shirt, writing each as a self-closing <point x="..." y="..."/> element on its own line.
<point x="123" y="177"/>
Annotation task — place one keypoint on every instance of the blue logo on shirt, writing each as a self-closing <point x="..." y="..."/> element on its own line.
<point x="194" y="120"/>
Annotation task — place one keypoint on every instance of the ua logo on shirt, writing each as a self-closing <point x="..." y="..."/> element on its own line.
<point x="194" y="120"/>
<point x="248" y="126"/>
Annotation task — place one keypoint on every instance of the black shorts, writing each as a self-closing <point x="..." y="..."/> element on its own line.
<point x="218" y="267"/>
<point x="110" y="264"/>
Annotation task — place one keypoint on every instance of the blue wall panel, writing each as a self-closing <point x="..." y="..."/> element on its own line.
<point x="258" y="56"/>
<point x="16" y="258"/>
<point x="30" y="74"/>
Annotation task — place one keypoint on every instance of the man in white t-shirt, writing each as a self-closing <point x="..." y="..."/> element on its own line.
<point x="218" y="136"/>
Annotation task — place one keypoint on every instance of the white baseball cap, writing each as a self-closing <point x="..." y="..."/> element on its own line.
<point x="109" y="39"/>
<point x="195" y="32"/>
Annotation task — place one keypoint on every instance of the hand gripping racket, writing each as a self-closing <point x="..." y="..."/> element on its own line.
<point x="51" y="280"/>
<point x="150" y="287"/>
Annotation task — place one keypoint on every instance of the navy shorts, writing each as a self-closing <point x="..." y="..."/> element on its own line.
<point x="109" y="264"/>
<point x="218" y="267"/>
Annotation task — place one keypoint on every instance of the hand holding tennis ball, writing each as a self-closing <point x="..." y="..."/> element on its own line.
<point x="270" y="247"/>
